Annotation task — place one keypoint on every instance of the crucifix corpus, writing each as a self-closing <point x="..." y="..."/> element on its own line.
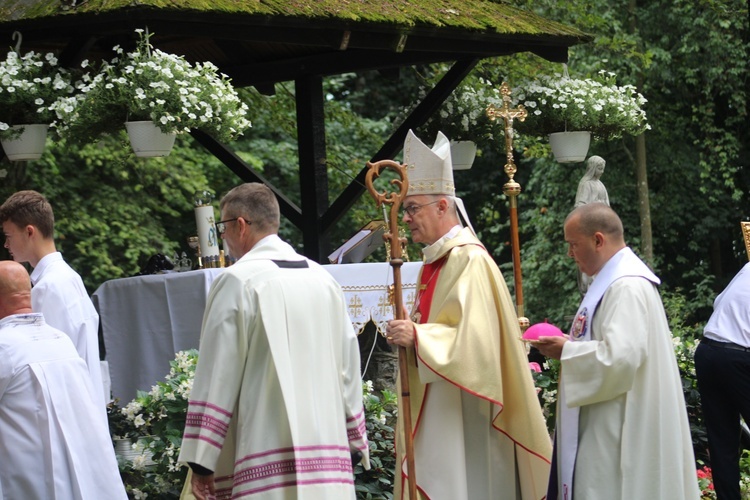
<point x="512" y="189"/>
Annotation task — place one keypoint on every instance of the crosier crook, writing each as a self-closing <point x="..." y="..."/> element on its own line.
<point x="394" y="199"/>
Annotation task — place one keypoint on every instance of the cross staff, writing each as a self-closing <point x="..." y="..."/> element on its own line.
<point x="512" y="189"/>
<point x="394" y="199"/>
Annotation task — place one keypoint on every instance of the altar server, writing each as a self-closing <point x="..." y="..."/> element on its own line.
<point x="478" y="429"/>
<point x="52" y="443"/>
<point x="58" y="293"/>
<point x="622" y="427"/>
<point x="276" y="406"/>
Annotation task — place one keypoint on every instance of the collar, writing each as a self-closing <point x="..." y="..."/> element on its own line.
<point x="22" y="319"/>
<point x="433" y="252"/>
<point x="43" y="264"/>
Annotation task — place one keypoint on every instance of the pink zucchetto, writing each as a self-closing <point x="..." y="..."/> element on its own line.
<point x="542" y="330"/>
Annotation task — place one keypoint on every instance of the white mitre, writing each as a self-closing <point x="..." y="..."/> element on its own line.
<point x="430" y="171"/>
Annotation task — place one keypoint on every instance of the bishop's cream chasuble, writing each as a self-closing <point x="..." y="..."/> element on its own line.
<point x="478" y="427"/>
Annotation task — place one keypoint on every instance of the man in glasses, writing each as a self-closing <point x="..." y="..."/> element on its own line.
<point x="276" y="406"/>
<point x="479" y="432"/>
<point x="58" y="292"/>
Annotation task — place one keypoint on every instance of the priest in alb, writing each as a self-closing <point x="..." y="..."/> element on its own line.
<point x="622" y="428"/>
<point x="276" y="407"/>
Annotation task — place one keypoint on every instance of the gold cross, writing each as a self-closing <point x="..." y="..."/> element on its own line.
<point x="508" y="115"/>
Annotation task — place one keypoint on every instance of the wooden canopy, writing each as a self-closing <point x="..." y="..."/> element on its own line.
<point x="261" y="42"/>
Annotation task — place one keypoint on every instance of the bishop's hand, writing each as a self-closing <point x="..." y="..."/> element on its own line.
<point x="400" y="332"/>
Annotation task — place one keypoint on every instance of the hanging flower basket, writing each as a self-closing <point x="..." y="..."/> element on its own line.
<point x="463" y="154"/>
<point x="149" y="84"/>
<point x="596" y="104"/>
<point x="147" y="140"/>
<point x="570" y="147"/>
<point x="27" y="144"/>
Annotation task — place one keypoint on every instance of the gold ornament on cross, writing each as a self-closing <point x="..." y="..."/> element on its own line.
<point x="508" y="115"/>
<point x="512" y="189"/>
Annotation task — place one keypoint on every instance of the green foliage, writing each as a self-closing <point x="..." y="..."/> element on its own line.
<point x="112" y="210"/>
<point x="545" y="382"/>
<point x="380" y="417"/>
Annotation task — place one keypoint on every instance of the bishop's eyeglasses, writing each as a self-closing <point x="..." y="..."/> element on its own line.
<point x="413" y="209"/>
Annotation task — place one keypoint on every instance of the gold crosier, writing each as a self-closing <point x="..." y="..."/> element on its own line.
<point x="512" y="189"/>
<point x="394" y="199"/>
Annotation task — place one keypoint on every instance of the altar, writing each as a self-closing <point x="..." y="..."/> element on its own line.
<point x="145" y="320"/>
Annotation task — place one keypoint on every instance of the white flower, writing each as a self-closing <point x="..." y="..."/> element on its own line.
<point x="139" y="462"/>
<point x="139" y="421"/>
<point x="138" y="494"/>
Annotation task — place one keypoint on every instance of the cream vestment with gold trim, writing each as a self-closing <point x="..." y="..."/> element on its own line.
<point x="480" y="432"/>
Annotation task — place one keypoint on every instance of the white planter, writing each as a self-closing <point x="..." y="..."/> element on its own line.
<point x="463" y="154"/>
<point x="29" y="145"/>
<point x="148" y="140"/>
<point x="570" y="147"/>
<point x="131" y="451"/>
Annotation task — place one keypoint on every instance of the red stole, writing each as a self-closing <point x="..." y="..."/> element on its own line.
<point x="426" y="289"/>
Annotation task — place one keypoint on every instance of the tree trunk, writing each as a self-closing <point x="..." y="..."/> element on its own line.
<point x="644" y="207"/>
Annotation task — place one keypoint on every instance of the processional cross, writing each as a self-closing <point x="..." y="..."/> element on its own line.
<point x="512" y="189"/>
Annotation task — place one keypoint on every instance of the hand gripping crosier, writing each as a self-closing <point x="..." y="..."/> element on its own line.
<point x="394" y="199"/>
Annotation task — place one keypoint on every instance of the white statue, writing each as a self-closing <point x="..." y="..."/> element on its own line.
<point x="590" y="188"/>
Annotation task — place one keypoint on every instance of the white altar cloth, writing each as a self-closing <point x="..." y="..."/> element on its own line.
<point x="145" y="320"/>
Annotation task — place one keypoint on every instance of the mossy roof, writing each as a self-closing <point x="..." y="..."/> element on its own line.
<point x="473" y="15"/>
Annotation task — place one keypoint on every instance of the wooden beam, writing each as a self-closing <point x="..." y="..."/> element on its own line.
<point x="288" y="209"/>
<point x="313" y="173"/>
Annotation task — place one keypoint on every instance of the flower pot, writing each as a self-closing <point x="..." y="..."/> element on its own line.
<point x="463" y="154"/>
<point x="570" y="147"/>
<point x="131" y="451"/>
<point x="29" y="145"/>
<point x="148" y="140"/>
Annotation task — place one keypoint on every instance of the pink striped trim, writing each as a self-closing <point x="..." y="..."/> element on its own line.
<point x="200" y="437"/>
<point x="294" y="483"/>
<point x="206" y="422"/>
<point x="211" y="406"/>
<point x="293" y="466"/>
<point x="358" y="416"/>
<point x="291" y="449"/>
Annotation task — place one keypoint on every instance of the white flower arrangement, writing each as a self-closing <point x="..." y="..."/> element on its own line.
<point x="463" y="114"/>
<point x="149" y="84"/>
<point x="30" y="86"/>
<point x="560" y="103"/>
<point x="157" y="419"/>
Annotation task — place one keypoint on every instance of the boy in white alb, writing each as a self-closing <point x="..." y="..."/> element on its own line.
<point x="58" y="292"/>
